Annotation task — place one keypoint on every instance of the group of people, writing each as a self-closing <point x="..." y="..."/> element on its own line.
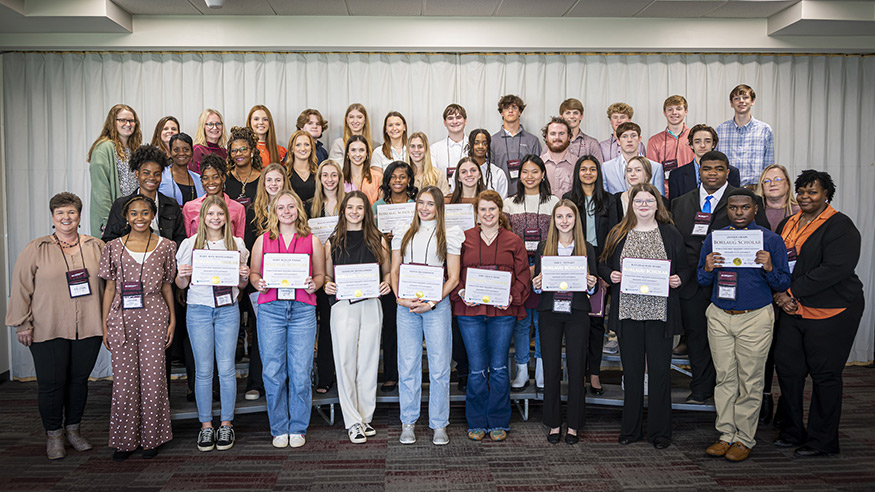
<point x="796" y="312"/>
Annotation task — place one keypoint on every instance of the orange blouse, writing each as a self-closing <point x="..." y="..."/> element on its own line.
<point x="265" y="155"/>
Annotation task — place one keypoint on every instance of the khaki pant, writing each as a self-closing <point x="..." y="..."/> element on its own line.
<point x="739" y="347"/>
<point x="355" y="339"/>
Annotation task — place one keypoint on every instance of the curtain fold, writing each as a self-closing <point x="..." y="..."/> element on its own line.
<point x="819" y="106"/>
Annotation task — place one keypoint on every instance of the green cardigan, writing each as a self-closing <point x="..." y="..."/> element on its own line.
<point x="105" y="187"/>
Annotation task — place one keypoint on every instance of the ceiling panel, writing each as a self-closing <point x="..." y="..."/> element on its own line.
<point x="157" y="7"/>
<point x="235" y="7"/>
<point x="309" y="7"/>
<point x="750" y="10"/>
<point x="460" y="8"/>
<point x="600" y="8"/>
<point x="680" y="8"/>
<point x="384" y="7"/>
<point x="530" y="8"/>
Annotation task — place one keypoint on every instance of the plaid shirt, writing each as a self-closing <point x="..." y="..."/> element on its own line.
<point x="750" y="148"/>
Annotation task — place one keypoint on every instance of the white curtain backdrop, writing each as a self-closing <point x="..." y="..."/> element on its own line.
<point x="55" y="103"/>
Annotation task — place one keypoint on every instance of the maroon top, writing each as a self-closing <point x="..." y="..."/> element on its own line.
<point x="507" y="253"/>
<point x="199" y="151"/>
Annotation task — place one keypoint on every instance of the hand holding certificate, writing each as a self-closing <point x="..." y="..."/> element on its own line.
<point x="357" y="281"/>
<point x="389" y="217"/>
<point x="645" y="277"/>
<point x="489" y="287"/>
<point x="422" y="282"/>
<point x="563" y="274"/>
<point x="286" y="270"/>
<point x="738" y="247"/>
<point x="215" y="268"/>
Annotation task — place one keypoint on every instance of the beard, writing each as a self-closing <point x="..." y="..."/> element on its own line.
<point x="557" y="147"/>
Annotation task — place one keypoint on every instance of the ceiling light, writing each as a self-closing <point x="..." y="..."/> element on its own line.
<point x="215" y="4"/>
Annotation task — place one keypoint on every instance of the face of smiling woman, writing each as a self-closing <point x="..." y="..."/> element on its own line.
<point x="214" y="183"/>
<point x="139" y="216"/>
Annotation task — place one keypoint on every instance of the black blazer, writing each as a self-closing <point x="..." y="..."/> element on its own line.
<point x="684" y="209"/>
<point x="674" y="249"/>
<point x="824" y="273"/>
<point x="170" y="222"/>
<point x="604" y="221"/>
<point x="683" y="180"/>
<point x="579" y="300"/>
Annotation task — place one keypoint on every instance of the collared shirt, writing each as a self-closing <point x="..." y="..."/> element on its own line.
<point x="717" y="195"/>
<point x="583" y="144"/>
<point x="507" y="147"/>
<point x="445" y="155"/>
<point x="750" y="148"/>
<point x="560" y="174"/>
<point x="755" y="286"/>
<point x="614" y="174"/>
<point x="666" y="146"/>
<point x="380" y="160"/>
<point x="611" y="148"/>
<point x="422" y="247"/>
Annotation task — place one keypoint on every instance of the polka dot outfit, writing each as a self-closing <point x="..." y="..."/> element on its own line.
<point x="140" y="415"/>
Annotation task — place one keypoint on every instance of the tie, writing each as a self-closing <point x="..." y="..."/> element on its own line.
<point x="707" y="207"/>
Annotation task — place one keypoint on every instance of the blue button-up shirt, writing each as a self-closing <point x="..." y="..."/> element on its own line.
<point x="750" y="148"/>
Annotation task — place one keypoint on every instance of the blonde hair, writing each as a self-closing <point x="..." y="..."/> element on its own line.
<point x="440" y="228"/>
<point x="201" y="237"/>
<point x="645" y="163"/>
<point x="366" y="129"/>
<point x="430" y="174"/>
<point x="319" y="197"/>
<point x="200" y="136"/>
<point x="789" y="200"/>
<point x="301" y="226"/>
<point x="312" y="160"/>
<point x="551" y="245"/>
<point x="262" y="199"/>
<point x="110" y="132"/>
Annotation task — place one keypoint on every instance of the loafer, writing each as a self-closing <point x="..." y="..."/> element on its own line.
<point x="554" y="438"/>
<point x="408" y="436"/>
<point x="737" y="452"/>
<point x="121" y="455"/>
<point x="440" y="437"/>
<point x="718" y="449"/>
<point x="785" y="443"/>
<point x="498" y="435"/>
<point x="661" y="442"/>
<point x="596" y="391"/>
<point x="808" y="452"/>
<point x="476" y="435"/>
<point x="571" y="438"/>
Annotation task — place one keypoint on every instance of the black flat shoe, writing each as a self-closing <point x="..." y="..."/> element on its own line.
<point x="785" y="443"/>
<point x="661" y="442"/>
<point x="388" y="387"/>
<point x="808" y="452"/>
<point x="625" y="441"/>
<point x="324" y="389"/>
<point x="553" y="438"/>
<point x="571" y="438"/>
<point x="189" y="396"/>
<point x="121" y="455"/>
<point x="596" y="391"/>
<point x="148" y="454"/>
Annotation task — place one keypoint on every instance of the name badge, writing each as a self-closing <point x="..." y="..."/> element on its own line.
<point x="285" y="294"/>
<point x="223" y="296"/>
<point x="488" y="267"/>
<point x="562" y="302"/>
<point x="243" y="200"/>
<point x="513" y="168"/>
<point x="77" y="283"/>
<point x="132" y="295"/>
<point x="791" y="258"/>
<point x="669" y="166"/>
<point x="703" y="222"/>
<point x="727" y="283"/>
<point x="532" y="237"/>
<point x="450" y="172"/>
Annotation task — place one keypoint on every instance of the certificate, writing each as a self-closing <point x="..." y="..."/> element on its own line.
<point x="738" y="247"/>
<point x="391" y="216"/>
<point x="459" y="214"/>
<point x="490" y="287"/>
<point x="360" y="281"/>
<point x="563" y="274"/>
<point x="421" y="282"/>
<point x="645" y="277"/>
<point x="322" y="227"/>
<point x="216" y="268"/>
<point x="285" y="270"/>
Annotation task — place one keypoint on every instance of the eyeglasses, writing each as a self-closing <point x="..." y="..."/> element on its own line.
<point x="125" y="121"/>
<point x="649" y="201"/>
<point x="240" y="150"/>
<point x="213" y="125"/>
<point x="776" y="181"/>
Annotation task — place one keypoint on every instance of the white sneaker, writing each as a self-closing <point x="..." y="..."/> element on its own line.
<point x="296" y="440"/>
<point x="646" y="378"/>
<point x="281" y="441"/>
<point x="357" y="434"/>
<point x="623" y="383"/>
<point x="539" y="373"/>
<point x="252" y="395"/>
<point x="440" y="437"/>
<point x="369" y="430"/>
<point x="407" y="434"/>
<point x="522" y="377"/>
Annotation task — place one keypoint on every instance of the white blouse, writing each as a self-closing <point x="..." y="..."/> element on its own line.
<point x="422" y="248"/>
<point x="202" y="295"/>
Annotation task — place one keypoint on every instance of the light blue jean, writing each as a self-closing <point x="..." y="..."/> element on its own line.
<point x="521" y="338"/>
<point x="487" y="341"/>
<point x="286" y="340"/>
<point x="214" y="331"/>
<point x="436" y="325"/>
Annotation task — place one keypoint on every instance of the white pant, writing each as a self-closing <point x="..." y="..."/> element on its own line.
<point x="355" y="336"/>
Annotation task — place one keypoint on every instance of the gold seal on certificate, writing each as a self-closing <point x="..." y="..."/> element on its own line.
<point x="486" y="299"/>
<point x="419" y="294"/>
<point x="737" y="262"/>
<point x="645" y="277"/>
<point x="563" y="286"/>
<point x="422" y="282"/>
<point x="284" y="283"/>
<point x="490" y="287"/>
<point x="357" y="281"/>
<point x="215" y="280"/>
<point x="215" y="268"/>
<point x="644" y="289"/>
<point x="358" y="293"/>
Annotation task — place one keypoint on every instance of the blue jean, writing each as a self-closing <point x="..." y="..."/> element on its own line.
<point x="436" y="325"/>
<point x="286" y="340"/>
<point x="214" y="331"/>
<point x="487" y="341"/>
<point x="521" y="338"/>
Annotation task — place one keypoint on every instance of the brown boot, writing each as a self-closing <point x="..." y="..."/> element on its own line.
<point x="76" y="440"/>
<point x="55" y="444"/>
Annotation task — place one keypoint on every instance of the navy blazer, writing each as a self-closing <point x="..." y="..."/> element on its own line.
<point x="683" y="180"/>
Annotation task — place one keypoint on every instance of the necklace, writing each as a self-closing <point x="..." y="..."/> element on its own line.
<point x="65" y="244"/>
<point x="487" y="239"/>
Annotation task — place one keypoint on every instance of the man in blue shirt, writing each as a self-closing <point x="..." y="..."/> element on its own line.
<point x="614" y="170"/>
<point x="747" y="141"/>
<point x="740" y="321"/>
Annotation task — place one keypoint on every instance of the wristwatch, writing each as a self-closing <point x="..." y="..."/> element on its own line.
<point x="432" y="304"/>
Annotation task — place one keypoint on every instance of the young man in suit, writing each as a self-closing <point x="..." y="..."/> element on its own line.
<point x="702" y="139"/>
<point x="696" y="214"/>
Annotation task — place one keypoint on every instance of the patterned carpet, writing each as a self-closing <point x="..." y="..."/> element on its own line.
<point x="524" y="462"/>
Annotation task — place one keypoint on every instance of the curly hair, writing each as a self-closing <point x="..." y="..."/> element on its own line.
<point x="248" y="135"/>
<point x="148" y="153"/>
<point x="216" y="162"/>
<point x="387" y="179"/>
<point x="809" y="176"/>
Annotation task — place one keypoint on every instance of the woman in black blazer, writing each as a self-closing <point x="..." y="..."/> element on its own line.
<point x="599" y="207"/>
<point x="820" y="315"/>
<point x="645" y="324"/>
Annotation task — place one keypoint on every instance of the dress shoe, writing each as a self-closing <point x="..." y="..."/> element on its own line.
<point x="596" y="391"/>
<point x="624" y="440"/>
<point x="767" y="408"/>
<point x="148" y="454"/>
<point x="808" y="452"/>
<point x="661" y="442"/>
<point x="680" y="350"/>
<point x="571" y="438"/>
<point x="785" y="443"/>
<point x="718" y="449"/>
<point x="554" y="438"/>
<point x="737" y="452"/>
<point x="121" y="455"/>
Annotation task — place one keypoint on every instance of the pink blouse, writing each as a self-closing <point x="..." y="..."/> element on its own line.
<point x="191" y="212"/>
<point x="302" y="245"/>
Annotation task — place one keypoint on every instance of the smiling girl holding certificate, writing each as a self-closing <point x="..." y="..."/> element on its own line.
<point x="645" y="324"/>
<point x="213" y="320"/>
<point x="426" y="243"/>
<point x="355" y="324"/>
<point x="287" y="320"/>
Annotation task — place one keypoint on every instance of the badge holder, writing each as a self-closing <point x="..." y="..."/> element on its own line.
<point x="223" y="296"/>
<point x="669" y="166"/>
<point x="532" y="236"/>
<point x="450" y="172"/>
<point x="562" y="302"/>
<point x="791" y="258"/>
<point x="243" y="200"/>
<point x="77" y="283"/>
<point x="703" y="222"/>
<point x="513" y="168"/>
<point x="285" y="294"/>
<point x="727" y="285"/>
<point x="132" y="295"/>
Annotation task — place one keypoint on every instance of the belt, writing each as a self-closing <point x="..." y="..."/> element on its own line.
<point x="732" y="311"/>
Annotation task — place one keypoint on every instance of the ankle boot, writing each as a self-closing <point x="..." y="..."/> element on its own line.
<point x="539" y="373"/>
<point x="767" y="408"/>
<point x="78" y="442"/>
<point x="55" y="444"/>
<point x="521" y="380"/>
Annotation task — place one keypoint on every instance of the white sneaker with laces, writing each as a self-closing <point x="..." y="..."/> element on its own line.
<point x="357" y="434"/>
<point x="281" y="441"/>
<point x="296" y="440"/>
<point x="369" y="430"/>
<point x="408" y="436"/>
<point x="440" y="437"/>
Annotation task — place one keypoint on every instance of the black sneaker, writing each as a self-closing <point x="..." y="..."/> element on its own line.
<point x="225" y="439"/>
<point x="206" y="439"/>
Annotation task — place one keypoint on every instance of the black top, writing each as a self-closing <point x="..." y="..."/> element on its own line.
<point x="579" y="300"/>
<point x="355" y="251"/>
<point x="684" y="210"/>
<point x="604" y="221"/>
<point x="235" y="188"/>
<point x="170" y="222"/>
<point x="683" y="179"/>
<point x="189" y="193"/>
<point x="674" y="249"/>
<point x="304" y="189"/>
<point x="824" y="273"/>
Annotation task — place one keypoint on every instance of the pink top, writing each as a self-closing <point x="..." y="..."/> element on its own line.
<point x="298" y="245"/>
<point x="192" y="210"/>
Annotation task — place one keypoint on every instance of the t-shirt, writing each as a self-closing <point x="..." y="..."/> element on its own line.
<point x="202" y="295"/>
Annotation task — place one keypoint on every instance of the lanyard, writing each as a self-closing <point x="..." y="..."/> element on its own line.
<point x="143" y="264"/>
<point x="537" y="214"/>
<point x="425" y="253"/>
<point x="63" y="255"/>
<point x="677" y="143"/>
<point x="519" y="143"/>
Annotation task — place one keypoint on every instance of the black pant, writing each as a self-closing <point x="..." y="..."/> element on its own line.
<point x="389" y="337"/>
<point x="818" y="348"/>
<point x="253" y="379"/>
<point x="181" y="346"/>
<point x="595" y="345"/>
<point x="637" y="339"/>
<point x="62" y="370"/>
<point x="325" y="354"/>
<point x="696" y="331"/>
<point x="460" y="355"/>
<point x="575" y="327"/>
